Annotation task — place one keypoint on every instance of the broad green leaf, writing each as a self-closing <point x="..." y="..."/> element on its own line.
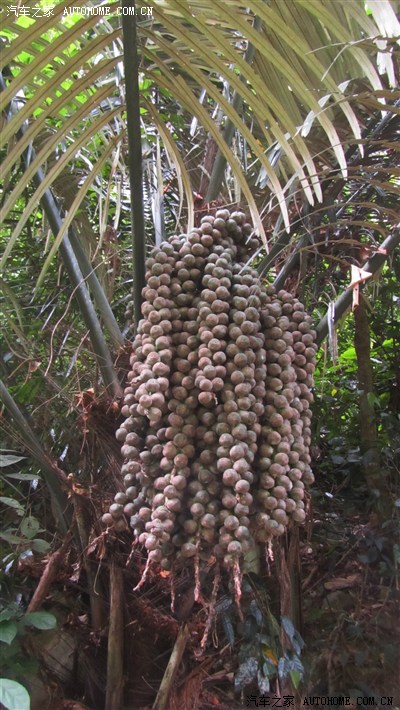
<point x="42" y="620"/>
<point x="349" y="354"/>
<point x="29" y="527"/>
<point x="8" y="631"/>
<point x="295" y="677"/>
<point x="23" y="476"/>
<point x="10" y="460"/>
<point x="10" y="612"/>
<point x="40" y="546"/>
<point x="12" y="539"/>
<point x="12" y="503"/>
<point x="13" y="695"/>
<point x="373" y="400"/>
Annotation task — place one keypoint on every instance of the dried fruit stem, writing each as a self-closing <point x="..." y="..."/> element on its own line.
<point x="49" y="574"/>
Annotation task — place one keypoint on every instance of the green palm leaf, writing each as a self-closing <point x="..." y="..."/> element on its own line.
<point x="64" y="80"/>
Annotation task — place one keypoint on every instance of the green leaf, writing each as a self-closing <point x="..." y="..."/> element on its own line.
<point x="11" y="538"/>
<point x="8" y="631"/>
<point x="373" y="400"/>
<point x="42" y="620"/>
<point x="23" y="476"/>
<point x="13" y="504"/>
<point x="13" y="695"/>
<point x="295" y="677"/>
<point x="30" y="527"/>
<point x="40" y="546"/>
<point x="9" y="612"/>
<point x="10" y="459"/>
<point x="349" y="354"/>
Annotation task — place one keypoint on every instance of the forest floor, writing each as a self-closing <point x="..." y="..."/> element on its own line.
<point x="351" y="598"/>
<point x="350" y="601"/>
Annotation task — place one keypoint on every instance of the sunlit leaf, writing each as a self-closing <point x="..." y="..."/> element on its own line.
<point x="29" y="527"/>
<point x="13" y="695"/>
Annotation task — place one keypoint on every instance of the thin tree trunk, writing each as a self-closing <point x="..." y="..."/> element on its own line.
<point x="161" y="700"/>
<point x="131" y="67"/>
<point x="368" y="427"/>
<point x="294" y="567"/>
<point x="91" y="566"/>
<point x="115" y="654"/>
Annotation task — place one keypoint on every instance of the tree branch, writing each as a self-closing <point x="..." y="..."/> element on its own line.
<point x="345" y="299"/>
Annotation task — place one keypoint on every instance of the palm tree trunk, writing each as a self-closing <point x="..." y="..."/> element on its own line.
<point x="131" y="67"/>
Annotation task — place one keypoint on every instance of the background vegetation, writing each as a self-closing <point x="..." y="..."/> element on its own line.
<point x="291" y="110"/>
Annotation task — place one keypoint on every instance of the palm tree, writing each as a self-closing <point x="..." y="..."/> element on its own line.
<point x="113" y="118"/>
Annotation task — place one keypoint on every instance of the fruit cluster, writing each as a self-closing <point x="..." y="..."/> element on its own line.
<point x="217" y="405"/>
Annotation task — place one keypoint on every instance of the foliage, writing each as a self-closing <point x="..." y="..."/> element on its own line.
<point x="336" y="430"/>
<point x="64" y="75"/>
<point x="13" y="695"/>
<point x="15" y="626"/>
<point x="267" y="652"/>
<point x="259" y="663"/>
<point x="21" y="527"/>
<point x="314" y="155"/>
<point x="20" y="541"/>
